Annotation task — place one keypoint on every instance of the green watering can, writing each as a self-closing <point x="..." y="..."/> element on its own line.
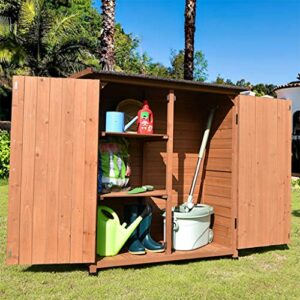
<point x="111" y="235"/>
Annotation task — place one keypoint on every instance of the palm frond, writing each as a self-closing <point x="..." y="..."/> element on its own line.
<point x="6" y="56"/>
<point x="5" y="27"/>
<point x="62" y="27"/>
<point x="28" y="12"/>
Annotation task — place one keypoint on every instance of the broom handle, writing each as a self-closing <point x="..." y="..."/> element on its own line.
<point x="201" y="153"/>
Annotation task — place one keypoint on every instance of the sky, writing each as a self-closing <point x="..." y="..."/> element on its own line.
<point x="256" y="40"/>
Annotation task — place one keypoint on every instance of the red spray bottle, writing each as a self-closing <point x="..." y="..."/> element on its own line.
<point x="145" y="119"/>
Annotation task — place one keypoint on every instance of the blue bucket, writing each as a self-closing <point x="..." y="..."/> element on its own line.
<point x="114" y="121"/>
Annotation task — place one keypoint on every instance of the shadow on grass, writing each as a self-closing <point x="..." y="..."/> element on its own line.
<point x="296" y="213"/>
<point x="56" y="268"/>
<point x="82" y="267"/>
<point x="251" y="251"/>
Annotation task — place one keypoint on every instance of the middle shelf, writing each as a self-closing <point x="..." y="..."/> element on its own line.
<point x="156" y="193"/>
<point x="133" y="135"/>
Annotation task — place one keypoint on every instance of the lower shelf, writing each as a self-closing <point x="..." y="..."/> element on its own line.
<point x="127" y="259"/>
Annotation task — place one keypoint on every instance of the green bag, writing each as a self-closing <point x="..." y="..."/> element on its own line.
<point x="114" y="158"/>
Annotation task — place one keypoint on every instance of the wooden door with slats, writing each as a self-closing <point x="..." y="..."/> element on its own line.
<point x="53" y="171"/>
<point x="264" y="171"/>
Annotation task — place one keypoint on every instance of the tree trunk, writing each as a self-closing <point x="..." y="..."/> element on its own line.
<point x="189" y="33"/>
<point x="107" y="59"/>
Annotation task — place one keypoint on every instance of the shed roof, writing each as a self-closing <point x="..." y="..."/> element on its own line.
<point x="289" y="85"/>
<point x="152" y="81"/>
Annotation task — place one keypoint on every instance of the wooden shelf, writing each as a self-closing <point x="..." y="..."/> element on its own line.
<point x="126" y="259"/>
<point x="155" y="193"/>
<point x="132" y="135"/>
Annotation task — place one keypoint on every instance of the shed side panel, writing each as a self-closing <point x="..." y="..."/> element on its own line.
<point x="55" y="184"/>
<point x="263" y="171"/>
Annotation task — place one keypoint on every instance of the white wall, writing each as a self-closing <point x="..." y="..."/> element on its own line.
<point x="292" y="93"/>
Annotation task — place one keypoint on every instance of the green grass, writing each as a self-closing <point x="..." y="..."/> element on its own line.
<point x="266" y="273"/>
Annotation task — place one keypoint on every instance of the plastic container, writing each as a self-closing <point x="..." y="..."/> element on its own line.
<point x="114" y="121"/>
<point x="145" y="119"/>
<point x="191" y="230"/>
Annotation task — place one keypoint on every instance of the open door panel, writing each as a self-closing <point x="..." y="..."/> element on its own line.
<point x="53" y="171"/>
<point x="264" y="171"/>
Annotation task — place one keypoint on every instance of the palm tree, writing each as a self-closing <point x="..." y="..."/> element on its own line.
<point x="107" y="59"/>
<point x="189" y="33"/>
<point x="42" y="42"/>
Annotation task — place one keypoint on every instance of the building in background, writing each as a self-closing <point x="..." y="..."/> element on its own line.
<point x="292" y="91"/>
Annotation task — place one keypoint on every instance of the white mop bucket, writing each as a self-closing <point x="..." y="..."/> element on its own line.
<point x="191" y="230"/>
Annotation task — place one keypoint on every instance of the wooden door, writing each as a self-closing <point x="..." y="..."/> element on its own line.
<point x="53" y="171"/>
<point x="264" y="171"/>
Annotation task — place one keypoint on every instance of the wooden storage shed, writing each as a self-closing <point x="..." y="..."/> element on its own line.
<point x="57" y="125"/>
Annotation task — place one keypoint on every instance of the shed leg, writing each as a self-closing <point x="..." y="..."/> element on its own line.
<point x="93" y="269"/>
<point x="235" y="254"/>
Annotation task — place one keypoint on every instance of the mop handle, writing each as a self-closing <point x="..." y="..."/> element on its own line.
<point x="201" y="153"/>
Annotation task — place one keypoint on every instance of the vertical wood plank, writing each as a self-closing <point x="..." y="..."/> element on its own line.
<point x="262" y="218"/>
<point x="234" y="177"/>
<point x="169" y="170"/>
<point x="247" y="163"/>
<point x="78" y="195"/>
<point x="27" y="186"/>
<point x="283" y="164"/>
<point x="66" y="171"/>
<point x="91" y="162"/>
<point x="16" y="144"/>
<point x="288" y="170"/>
<point x="53" y="170"/>
<point x="39" y="228"/>
<point x="269" y="148"/>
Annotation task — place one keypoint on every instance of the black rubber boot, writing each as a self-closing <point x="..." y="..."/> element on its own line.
<point x="144" y="233"/>
<point x="131" y="212"/>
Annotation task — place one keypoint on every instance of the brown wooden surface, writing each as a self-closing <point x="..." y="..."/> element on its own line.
<point x="52" y="201"/>
<point x="217" y="176"/>
<point x="27" y="178"/>
<point x="144" y="137"/>
<point x="155" y="82"/>
<point x="169" y="170"/>
<point x="13" y="234"/>
<point x="263" y="172"/>
<point x="91" y="164"/>
<point x="53" y="179"/>
<point x="234" y="182"/>
<point x="125" y="259"/>
<point x="155" y="193"/>
<point x="214" y="185"/>
<point x="39" y="212"/>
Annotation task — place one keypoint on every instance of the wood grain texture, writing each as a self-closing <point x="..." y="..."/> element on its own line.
<point x="53" y="176"/>
<point x="90" y="173"/>
<point x="78" y="195"/>
<point x="28" y="160"/>
<point x="263" y="171"/>
<point x="39" y="228"/>
<point x="54" y="171"/>
<point x="15" y="174"/>
<point x="169" y="170"/>
<point x="66" y="171"/>
<point x="124" y="259"/>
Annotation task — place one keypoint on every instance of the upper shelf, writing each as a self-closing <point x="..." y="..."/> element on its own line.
<point x="133" y="135"/>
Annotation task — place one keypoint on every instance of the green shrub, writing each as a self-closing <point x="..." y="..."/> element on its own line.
<point x="4" y="153"/>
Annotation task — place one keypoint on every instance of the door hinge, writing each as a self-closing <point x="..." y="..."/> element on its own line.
<point x="236" y="119"/>
<point x="235" y="223"/>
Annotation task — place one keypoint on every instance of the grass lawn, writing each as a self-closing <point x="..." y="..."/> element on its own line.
<point x="272" y="273"/>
